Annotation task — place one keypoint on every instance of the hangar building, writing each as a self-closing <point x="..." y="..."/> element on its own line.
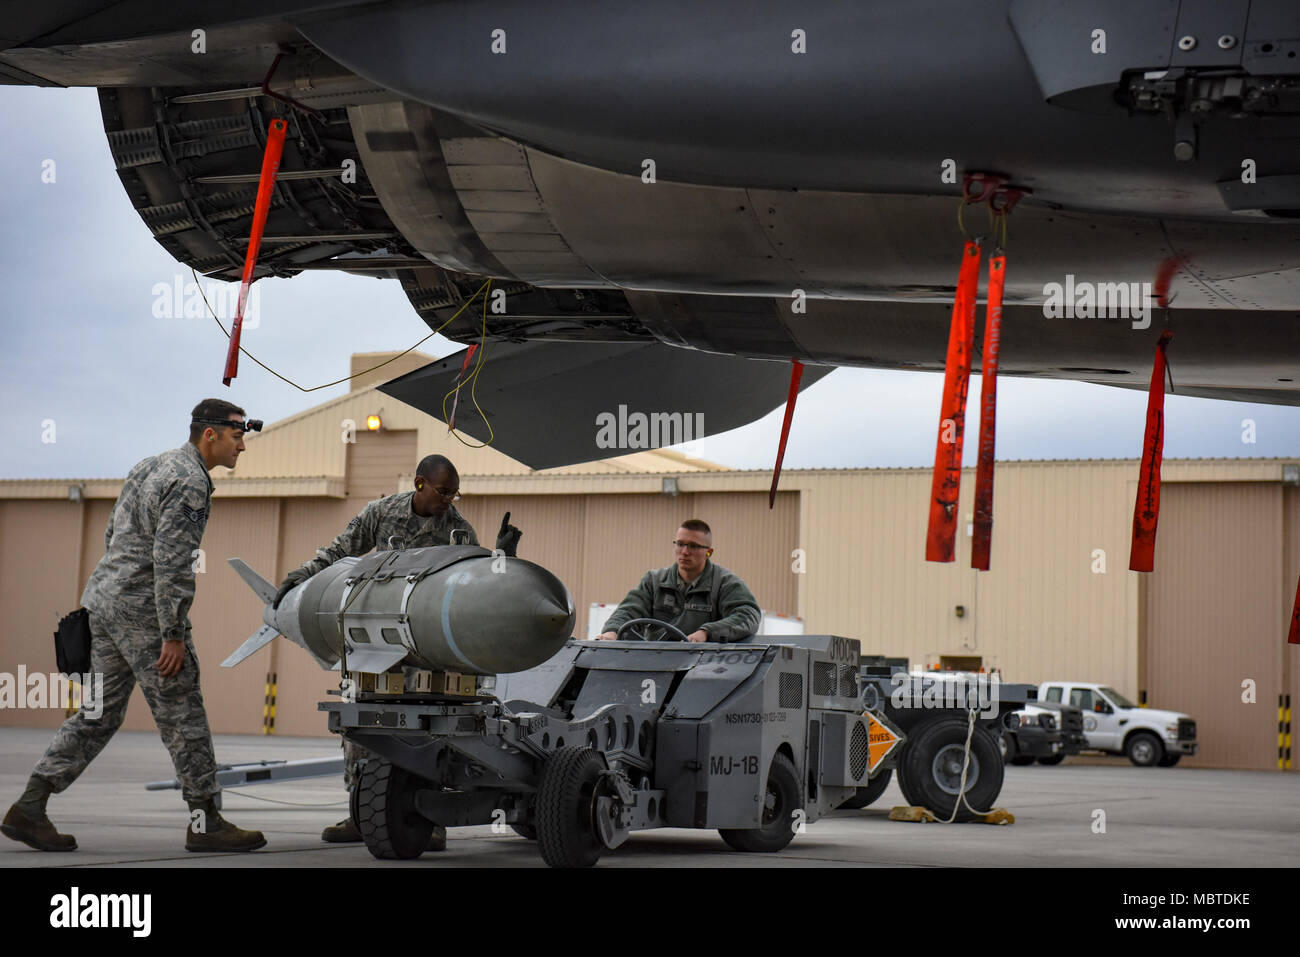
<point x="1205" y="633"/>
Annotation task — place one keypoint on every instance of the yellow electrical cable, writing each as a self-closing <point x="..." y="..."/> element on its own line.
<point x="326" y="385"/>
<point x="472" y="380"/>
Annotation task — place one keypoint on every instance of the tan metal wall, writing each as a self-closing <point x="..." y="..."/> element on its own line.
<point x="1040" y="613"/>
<point x="1288" y="757"/>
<point x="1213" y="606"/>
<point x="379" y="464"/>
<point x="366" y="369"/>
<point x="601" y="545"/>
<point x="39" y="582"/>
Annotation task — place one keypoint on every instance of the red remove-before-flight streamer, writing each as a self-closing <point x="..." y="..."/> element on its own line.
<point x="940" y="539"/>
<point x="1146" y="509"/>
<point x="265" y="184"/>
<point x="983" y="540"/>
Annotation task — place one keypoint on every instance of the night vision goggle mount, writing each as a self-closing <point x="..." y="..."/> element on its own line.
<point x="248" y="425"/>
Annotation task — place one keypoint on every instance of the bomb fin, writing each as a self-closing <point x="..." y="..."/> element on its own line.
<point x="256" y="641"/>
<point x="263" y="588"/>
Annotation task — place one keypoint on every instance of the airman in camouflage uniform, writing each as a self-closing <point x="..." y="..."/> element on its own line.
<point x="390" y="522"/>
<point x="139" y="598"/>
<point x="702" y="600"/>
<point x="423" y="517"/>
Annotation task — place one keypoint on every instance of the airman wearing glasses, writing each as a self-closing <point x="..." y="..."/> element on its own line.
<point x="700" y="598"/>
<point x="425" y="516"/>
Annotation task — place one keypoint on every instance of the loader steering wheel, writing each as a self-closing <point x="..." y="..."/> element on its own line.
<point x="640" y="629"/>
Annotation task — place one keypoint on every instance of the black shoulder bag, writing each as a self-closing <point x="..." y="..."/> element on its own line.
<point x="72" y="643"/>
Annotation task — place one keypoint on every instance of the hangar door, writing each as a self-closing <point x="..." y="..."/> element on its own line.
<point x="1214" y="618"/>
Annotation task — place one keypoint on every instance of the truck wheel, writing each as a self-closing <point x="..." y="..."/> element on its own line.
<point x="1007" y="743"/>
<point x="932" y="764"/>
<point x="566" y="795"/>
<point x="1169" y="760"/>
<point x="385" y="812"/>
<point x="1052" y="759"/>
<point x="779" y="805"/>
<point x="868" y="795"/>
<point x="525" y="830"/>
<point x="1144" y="750"/>
<point x="1011" y="751"/>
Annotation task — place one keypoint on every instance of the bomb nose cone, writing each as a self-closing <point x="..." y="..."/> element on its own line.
<point x="553" y="618"/>
<point x="499" y="621"/>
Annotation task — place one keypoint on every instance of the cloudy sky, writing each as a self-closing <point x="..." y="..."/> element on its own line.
<point x="85" y="361"/>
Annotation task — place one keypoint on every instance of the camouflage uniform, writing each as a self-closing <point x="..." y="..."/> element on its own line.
<point x="138" y="595"/>
<point x="386" y="523"/>
<point x="390" y="523"/>
<point x="717" y="601"/>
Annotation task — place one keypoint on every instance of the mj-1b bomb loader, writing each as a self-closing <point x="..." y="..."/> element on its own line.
<point x="499" y="718"/>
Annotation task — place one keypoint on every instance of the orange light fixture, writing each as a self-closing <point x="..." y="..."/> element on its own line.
<point x="373" y="423"/>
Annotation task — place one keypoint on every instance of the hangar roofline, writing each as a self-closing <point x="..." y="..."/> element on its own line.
<point x="709" y="478"/>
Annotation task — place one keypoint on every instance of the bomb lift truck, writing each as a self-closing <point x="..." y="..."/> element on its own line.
<point x="752" y="738"/>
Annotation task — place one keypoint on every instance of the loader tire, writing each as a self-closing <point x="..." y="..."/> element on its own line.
<point x="779" y="806"/>
<point x="385" y="811"/>
<point x="565" y="810"/>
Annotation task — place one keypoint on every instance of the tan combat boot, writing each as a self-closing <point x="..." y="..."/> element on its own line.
<point x="209" y="831"/>
<point x="37" y="832"/>
<point x="438" y="839"/>
<point x="344" y="832"/>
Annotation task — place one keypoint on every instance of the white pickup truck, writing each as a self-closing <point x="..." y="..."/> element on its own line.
<point x="1114" y="724"/>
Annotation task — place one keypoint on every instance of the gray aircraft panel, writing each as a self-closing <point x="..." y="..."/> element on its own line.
<point x="584" y="381"/>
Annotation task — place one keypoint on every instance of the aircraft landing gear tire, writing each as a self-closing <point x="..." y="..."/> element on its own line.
<point x="385" y="811"/>
<point x="871" y="792"/>
<point x="930" y="768"/>
<point x="779" y="805"/>
<point x="565" y="810"/>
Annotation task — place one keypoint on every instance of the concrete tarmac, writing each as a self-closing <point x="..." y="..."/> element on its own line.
<point x="1154" y="817"/>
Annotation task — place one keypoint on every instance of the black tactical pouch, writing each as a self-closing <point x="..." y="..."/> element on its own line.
<point x="72" y="643"/>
